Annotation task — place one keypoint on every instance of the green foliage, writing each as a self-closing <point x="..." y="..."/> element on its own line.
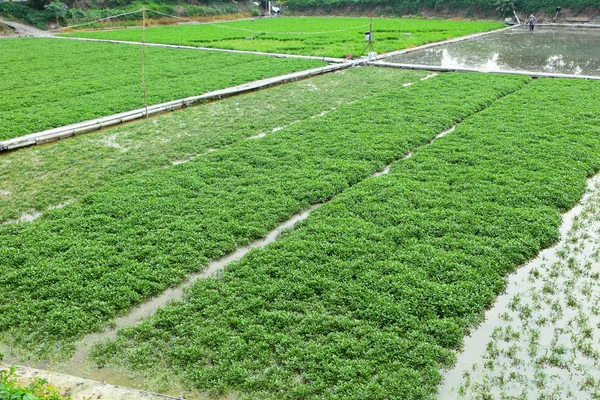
<point x="333" y="37"/>
<point x="38" y="389"/>
<point x="22" y="13"/>
<point x="91" y="80"/>
<point x="400" y="7"/>
<point x="57" y="10"/>
<point x="505" y="6"/>
<point x="42" y="176"/>
<point x="73" y="269"/>
<point x="369" y="296"/>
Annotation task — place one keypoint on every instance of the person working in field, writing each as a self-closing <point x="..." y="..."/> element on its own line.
<point x="531" y="21"/>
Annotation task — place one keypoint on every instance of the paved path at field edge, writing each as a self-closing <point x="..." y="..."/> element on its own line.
<point x="25" y="30"/>
<point x="81" y="388"/>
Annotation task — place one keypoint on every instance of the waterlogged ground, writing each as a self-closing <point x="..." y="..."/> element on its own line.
<point x="541" y="340"/>
<point x="547" y="49"/>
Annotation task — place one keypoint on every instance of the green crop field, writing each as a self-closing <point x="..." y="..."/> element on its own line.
<point x="72" y="270"/>
<point x="47" y="83"/>
<point x="333" y="37"/>
<point x="370" y="296"/>
<point x="35" y="178"/>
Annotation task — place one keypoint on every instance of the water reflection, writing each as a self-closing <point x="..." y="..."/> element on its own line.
<point x="547" y="49"/>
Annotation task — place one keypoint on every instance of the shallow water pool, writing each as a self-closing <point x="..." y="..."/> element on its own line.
<point x="548" y="49"/>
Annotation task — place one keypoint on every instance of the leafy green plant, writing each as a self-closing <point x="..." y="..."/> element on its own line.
<point x="136" y="237"/>
<point x="99" y="79"/>
<point x="78" y="166"/>
<point x="505" y="6"/>
<point x="20" y="12"/>
<point x="57" y="10"/>
<point x="37" y="389"/>
<point x="317" y="36"/>
<point x="371" y="295"/>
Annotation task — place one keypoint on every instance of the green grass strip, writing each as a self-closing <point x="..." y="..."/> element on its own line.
<point x="372" y="294"/>
<point x="91" y="80"/>
<point x="38" y="177"/>
<point x="317" y="36"/>
<point x="75" y="268"/>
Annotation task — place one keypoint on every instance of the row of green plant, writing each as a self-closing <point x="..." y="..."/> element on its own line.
<point x="38" y="177"/>
<point x="73" y="269"/>
<point x="333" y="37"/>
<point x="371" y="295"/>
<point x="90" y="80"/>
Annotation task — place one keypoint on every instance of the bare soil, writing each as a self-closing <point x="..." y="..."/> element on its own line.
<point x="6" y="30"/>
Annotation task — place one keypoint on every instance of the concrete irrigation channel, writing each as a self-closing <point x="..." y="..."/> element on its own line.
<point x="117" y="119"/>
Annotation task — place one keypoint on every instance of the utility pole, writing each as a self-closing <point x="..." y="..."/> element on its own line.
<point x="143" y="58"/>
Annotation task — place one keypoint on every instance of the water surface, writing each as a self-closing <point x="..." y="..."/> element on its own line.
<point x="548" y="49"/>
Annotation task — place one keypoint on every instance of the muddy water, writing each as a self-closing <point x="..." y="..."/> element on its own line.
<point x="540" y="339"/>
<point x="31" y="216"/>
<point x="553" y="49"/>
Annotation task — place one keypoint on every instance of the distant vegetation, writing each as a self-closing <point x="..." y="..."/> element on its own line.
<point x="416" y="6"/>
<point x="37" y="14"/>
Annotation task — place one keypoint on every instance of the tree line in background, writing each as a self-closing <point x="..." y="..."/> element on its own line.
<point x="487" y="7"/>
<point x="41" y="12"/>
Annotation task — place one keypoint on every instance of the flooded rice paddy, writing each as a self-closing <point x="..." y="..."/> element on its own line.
<point x="548" y="49"/>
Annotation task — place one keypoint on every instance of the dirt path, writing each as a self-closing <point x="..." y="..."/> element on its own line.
<point x="25" y="30"/>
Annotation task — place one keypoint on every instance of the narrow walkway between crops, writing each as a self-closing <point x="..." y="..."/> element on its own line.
<point x="114" y="120"/>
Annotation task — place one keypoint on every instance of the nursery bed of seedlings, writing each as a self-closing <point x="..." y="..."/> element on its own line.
<point x="90" y="80"/>
<point x="35" y="179"/>
<point x="372" y="294"/>
<point x="316" y="36"/>
<point x="72" y="270"/>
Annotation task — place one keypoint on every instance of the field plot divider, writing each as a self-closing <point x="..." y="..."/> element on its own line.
<point x="67" y="131"/>
<point x="174" y="46"/>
